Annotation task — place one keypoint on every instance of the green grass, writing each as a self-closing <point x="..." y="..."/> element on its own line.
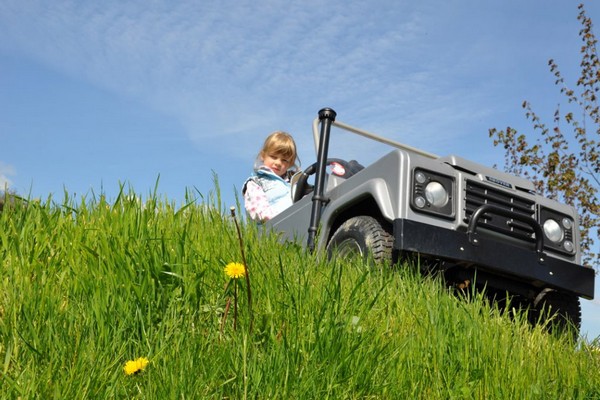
<point x="87" y="286"/>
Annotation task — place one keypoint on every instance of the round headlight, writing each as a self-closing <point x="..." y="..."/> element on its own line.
<point x="567" y="223"/>
<point x="568" y="246"/>
<point x="420" y="202"/>
<point x="420" y="177"/>
<point x="436" y="194"/>
<point x="553" y="230"/>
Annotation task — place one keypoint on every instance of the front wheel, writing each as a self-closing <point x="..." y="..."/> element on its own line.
<point x="362" y="236"/>
<point x="559" y="311"/>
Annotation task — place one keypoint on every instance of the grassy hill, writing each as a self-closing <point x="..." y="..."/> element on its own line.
<point x="88" y="286"/>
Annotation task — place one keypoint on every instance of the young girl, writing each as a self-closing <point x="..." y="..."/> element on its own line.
<point x="267" y="191"/>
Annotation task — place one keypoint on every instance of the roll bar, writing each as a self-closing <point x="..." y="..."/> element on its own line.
<point x="326" y="119"/>
<point x="366" y="134"/>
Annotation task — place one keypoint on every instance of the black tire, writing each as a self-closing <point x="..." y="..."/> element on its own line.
<point x="364" y="237"/>
<point x="560" y="311"/>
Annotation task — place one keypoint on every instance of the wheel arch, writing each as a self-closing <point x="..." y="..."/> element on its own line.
<point x="365" y="205"/>
<point x="370" y="197"/>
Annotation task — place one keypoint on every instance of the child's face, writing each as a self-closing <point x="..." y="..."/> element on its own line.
<point x="278" y="163"/>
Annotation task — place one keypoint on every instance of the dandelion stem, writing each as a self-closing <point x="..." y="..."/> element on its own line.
<point x="239" y="233"/>
<point x="235" y="301"/>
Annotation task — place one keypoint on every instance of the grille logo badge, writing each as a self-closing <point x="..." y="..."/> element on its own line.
<point x="498" y="182"/>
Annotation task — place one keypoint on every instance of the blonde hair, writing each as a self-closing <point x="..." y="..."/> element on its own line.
<point x="282" y="144"/>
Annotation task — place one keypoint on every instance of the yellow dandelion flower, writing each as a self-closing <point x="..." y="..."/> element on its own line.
<point x="235" y="270"/>
<point x="135" y="366"/>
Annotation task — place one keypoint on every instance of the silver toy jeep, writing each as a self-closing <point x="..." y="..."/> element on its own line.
<point x="473" y="223"/>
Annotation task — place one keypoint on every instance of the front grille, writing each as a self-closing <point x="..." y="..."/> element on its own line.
<point x="478" y="194"/>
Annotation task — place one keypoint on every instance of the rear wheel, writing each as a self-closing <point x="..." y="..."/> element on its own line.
<point x="364" y="237"/>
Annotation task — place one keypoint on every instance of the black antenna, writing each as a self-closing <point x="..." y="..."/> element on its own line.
<point x="326" y="117"/>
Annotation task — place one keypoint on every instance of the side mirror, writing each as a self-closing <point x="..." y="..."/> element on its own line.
<point x="294" y="184"/>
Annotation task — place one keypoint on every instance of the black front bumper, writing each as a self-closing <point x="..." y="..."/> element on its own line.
<point x="506" y="260"/>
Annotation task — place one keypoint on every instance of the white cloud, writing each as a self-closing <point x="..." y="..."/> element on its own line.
<point x="5" y="171"/>
<point x="246" y="68"/>
<point x="231" y="66"/>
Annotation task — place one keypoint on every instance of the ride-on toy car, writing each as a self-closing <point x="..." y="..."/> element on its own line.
<point x="474" y="224"/>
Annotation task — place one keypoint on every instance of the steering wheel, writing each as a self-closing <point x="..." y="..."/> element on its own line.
<point x="340" y="168"/>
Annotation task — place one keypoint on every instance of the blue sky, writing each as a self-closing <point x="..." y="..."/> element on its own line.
<point x="97" y="93"/>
